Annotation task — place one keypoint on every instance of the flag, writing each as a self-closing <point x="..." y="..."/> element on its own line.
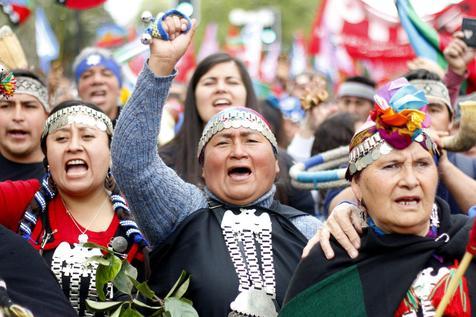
<point x="209" y="43"/>
<point x="80" y="4"/>
<point x="110" y="35"/>
<point x="17" y="10"/>
<point x="298" y="56"/>
<point x="269" y="66"/>
<point x="424" y="40"/>
<point x="47" y="46"/>
<point x="186" y="64"/>
<point x="251" y="35"/>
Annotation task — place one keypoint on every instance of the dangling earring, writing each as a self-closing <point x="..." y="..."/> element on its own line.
<point x="363" y="215"/>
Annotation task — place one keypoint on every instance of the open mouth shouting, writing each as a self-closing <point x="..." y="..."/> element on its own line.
<point x="18" y="134"/>
<point x="76" y="167"/>
<point x="239" y="173"/>
<point x="222" y="102"/>
<point x="98" y="96"/>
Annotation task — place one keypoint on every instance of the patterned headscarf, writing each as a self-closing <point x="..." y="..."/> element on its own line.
<point x="398" y="119"/>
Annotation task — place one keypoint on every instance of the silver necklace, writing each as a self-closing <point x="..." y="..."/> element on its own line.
<point x="257" y="285"/>
<point x="83" y="237"/>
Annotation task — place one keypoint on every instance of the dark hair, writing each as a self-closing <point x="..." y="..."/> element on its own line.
<point x="422" y="73"/>
<point x="335" y="131"/>
<point x="66" y="104"/>
<point x="269" y="109"/>
<point x="361" y="80"/>
<point x="20" y="72"/>
<point x="181" y="152"/>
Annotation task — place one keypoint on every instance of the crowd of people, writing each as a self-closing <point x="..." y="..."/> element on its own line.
<point x="217" y="200"/>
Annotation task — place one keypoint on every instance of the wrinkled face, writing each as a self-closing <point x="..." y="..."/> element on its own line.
<point x="78" y="157"/>
<point x="100" y="86"/>
<point x="22" y="118"/>
<point x="399" y="189"/>
<point x="221" y="87"/>
<point x="440" y="117"/>
<point x="356" y="105"/>
<point x="239" y="165"/>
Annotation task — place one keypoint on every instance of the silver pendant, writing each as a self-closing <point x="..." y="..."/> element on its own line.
<point x="83" y="238"/>
<point x="253" y="302"/>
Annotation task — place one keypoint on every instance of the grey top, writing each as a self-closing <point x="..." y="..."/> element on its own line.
<point x="159" y="198"/>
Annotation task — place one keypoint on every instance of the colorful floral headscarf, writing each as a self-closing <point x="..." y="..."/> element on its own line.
<point x="397" y="120"/>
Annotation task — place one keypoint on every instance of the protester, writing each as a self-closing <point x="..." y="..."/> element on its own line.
<point x="99" y="79"/>
<point x="218" y="82"/>
<point x="189" y="227"/>
<point x="355" y="95"/>
<point x="412" y="241"/>
<point x="76" y="202"/>
<point x="22" y="117"/>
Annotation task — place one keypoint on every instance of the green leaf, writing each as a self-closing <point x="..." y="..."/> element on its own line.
<point x="182" y="289"/>
<point x="101" y="306"/>
<point x="99" y="259"/>
<point x="123" y="281"/>
<point x="129" y="269"/>
<point x="107" y="273"/>
<point x="117" y="312"/>
<point x="145" y="290"/>
<point x="160" y="313"/>
<point x="93" y="245"/>
<point x="182" y="276"/>
<point x="179" y="308"/>
<point x="141" y="304"/>
<point x="131" y="312"/>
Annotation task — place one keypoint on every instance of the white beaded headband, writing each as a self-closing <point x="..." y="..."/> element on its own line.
<point x="77" y="114"/>
<point x="235" y="118"/>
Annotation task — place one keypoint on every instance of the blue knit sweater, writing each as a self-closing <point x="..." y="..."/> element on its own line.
<point x="159" y="198"/>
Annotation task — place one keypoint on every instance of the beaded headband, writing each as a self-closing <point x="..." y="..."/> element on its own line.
<point x="435" y="91"/>
<point x="77" y="114"/>
<point x="398" y="120"/>
<point x="30" y="86"/>
<point x="236" y="118"/>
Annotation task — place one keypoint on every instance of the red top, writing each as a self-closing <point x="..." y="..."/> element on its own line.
<point x="15" y="197"/>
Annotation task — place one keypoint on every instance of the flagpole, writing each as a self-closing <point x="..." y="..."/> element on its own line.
<point x="453" y="285"/>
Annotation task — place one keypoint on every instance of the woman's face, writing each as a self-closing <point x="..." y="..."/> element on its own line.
<point x="221" y="87"/>
<point x="239" y="165"/>
<point x="78" y="157"/>
<point x="399" y="190"/>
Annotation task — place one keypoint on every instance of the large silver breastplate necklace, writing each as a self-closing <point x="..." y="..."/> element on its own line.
<point x="246" y="235"/>
<point x="70" y="265"/>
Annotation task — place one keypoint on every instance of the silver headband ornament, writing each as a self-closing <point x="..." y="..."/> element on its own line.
<point x="374" y="147"/>
<point x="30" y="86"/>
<point x="236" y="118"/>
<point x="79" y="114"/>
